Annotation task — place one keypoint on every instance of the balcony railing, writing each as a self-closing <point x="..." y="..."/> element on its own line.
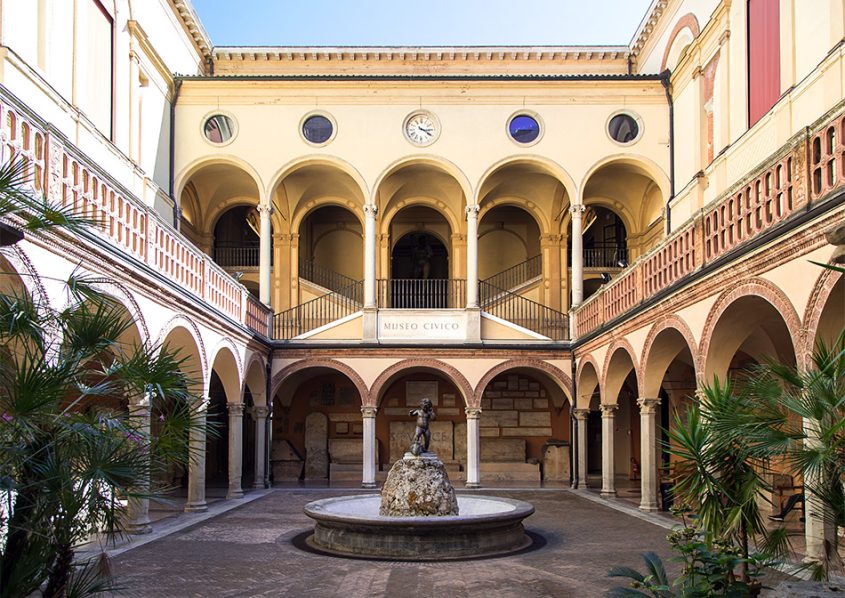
<point x="606" y="255"/>
<point x="59" y="171"/>
<point x="523" y="312"/>
<point x="237" y="257"/>
<point x="810" y="168"/>
<point x="326" y="277"/>
<point x="409" y="293"/>
<point x="517" y="275"/>
<point x="318" y="312"/>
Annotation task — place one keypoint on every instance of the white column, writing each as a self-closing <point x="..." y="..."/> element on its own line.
<point x="196" y="465"/>
<point x="236" y="428"/>
<point x="265" y="253"/>
<point x="370" y="212"/>
<point x="473" y="448"/>
<point x="472" y="256"/>
<point x="819" y="529"/>
<point x="581" y="416"/>
<point x="369" y="473"/>
<point x="577" y="255"/>
<point x="648" y="453"/>
<point x="260" y="413"/>
<point x="608" y="482"/>
<point x="138" y="509"/>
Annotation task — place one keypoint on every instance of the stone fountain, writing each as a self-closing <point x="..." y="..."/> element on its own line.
<point x="418" y="515"/>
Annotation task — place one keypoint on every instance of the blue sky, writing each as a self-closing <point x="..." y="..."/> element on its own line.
<point x="430" y="22"/>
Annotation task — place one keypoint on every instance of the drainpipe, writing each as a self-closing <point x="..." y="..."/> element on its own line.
<point x="177" y="86"/>
<point x="664" y="79"/>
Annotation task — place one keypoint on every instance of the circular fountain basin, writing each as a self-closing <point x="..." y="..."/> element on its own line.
<point x="352" y="526"/>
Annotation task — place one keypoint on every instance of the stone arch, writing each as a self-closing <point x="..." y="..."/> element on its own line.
<point x="302" y="212"/>
<point x="319" y="160"/>
<point x="255" y="372"/>
<point x="228" y="345"/>
<point x="552" y="169"/>
<point x="332" y="364"/>
<point x="555" y="373"/>
<point x="436" y="162"/>
<point x="587" y="364"/>
<point x="756" y="287"/>
<point x="191" y="169"/>
<point x="612" y="386"/>
<point x="31" y="280"/>
<point x="687" y="23"/>
<point x="182" y="321"/>
<point x="819" y="298"/>
<point x="670" y="322"/>
<point x="429" y="202"/>
<point x="529" y="207"/>
<point x="441" y="367"/>
<point x="649" y="167"/>
<point x="122" y="295"/>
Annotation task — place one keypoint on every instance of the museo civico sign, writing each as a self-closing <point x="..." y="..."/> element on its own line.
<point x="422" y="325"/>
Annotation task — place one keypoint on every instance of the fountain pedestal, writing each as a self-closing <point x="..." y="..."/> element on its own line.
<point x="418" y="487"/>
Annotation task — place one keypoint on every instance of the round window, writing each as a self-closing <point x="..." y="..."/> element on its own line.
<point x="317" y="129"/>
<point x="219" y="128"/>
<point x="524" y="128"/>
<point x="623" y="128"/>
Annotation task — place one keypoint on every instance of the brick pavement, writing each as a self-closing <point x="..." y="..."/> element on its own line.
<point x="249" y="551"/>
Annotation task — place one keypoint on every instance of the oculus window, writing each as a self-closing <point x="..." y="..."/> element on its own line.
<point x="623" y="128"/>
<point x="317" y="129"/>
<point x="219" y="128"/>
<point x="524" y="128"/>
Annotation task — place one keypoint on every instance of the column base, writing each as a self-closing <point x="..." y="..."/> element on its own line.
<point x="608" y="494"/>
<point x="258" y="485"/>
<point x="196" y="507"/>
<point x="369" y="485"/>
<point x="472" y="485"/>
<point x="649" y="508"/>
<point x="582" y="485"/>
<point x="234" y="494"/>
<point x="139" y="528"/>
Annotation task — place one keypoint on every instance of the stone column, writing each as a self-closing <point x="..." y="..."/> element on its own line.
<point x="260" y="413"/>
<point x="138" y="509"/>
<point x="472" y="256"/>
<point x="265" y="253"/>
<point x="473" y="448"/>
<point x="648" y="452"/>
<point x="818" y="523"/>
<point x="608" y="473"/>
<point x="577" y="255"/>
<point x="369" y="474"/>
<point x="196" y="465"/>
<point x="370" y="212"/>
<point x="581" y="417"/>
<point x="236" y="430"/>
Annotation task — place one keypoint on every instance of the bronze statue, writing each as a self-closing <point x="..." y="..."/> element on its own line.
<point x="425" y="414"/>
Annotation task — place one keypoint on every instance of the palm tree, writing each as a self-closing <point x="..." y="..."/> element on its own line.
<point x="66" y="467"/>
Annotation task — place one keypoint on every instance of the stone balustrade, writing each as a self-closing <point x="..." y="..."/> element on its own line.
<point x="57" y="170"/>
<point x="808" y="168"/>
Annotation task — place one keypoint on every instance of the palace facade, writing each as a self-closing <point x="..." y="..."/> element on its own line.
<point x="556" y="245"/>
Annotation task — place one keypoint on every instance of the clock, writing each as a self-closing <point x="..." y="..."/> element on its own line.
<point x="421" y="128"/>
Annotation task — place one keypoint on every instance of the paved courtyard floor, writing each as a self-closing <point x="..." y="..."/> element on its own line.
<point x="251" y="551"/>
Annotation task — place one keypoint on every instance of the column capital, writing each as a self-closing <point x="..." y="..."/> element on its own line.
<point x="235" y="409"/>
<point x="648" y="404"/>
<point x="369" y="411"/>
<point x="472" y="211"/>
<point x="473" y="412"/>
<point x="260" y="411"/>
<point x="581" y="414"/>
<point x="608" y="410"/>
<point x="265" y="211"/>
<point x="577" y="209"/>
<point x="370" y="210"/>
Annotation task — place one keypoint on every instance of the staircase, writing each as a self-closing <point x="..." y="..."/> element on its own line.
<point x="326" y="277"/>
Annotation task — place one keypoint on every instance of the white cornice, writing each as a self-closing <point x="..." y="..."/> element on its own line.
<point x="647" y="25"/>
<point x="186" y="12"/>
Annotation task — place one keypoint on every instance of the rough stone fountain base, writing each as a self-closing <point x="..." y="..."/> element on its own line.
<point x="352" y="526"/>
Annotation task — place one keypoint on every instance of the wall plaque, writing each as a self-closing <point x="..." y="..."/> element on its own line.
<point x="422" y="325"/>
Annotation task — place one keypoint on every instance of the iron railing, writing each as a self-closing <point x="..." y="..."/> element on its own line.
<point x="326" y="277"/>
<point x="318" y="312"/>
<point x="517" y="275"/>
<point x="412" y="293"/>
<point x="237" y="257"/>
<point x="606" y="255"/>
<point x="523" y="312"/>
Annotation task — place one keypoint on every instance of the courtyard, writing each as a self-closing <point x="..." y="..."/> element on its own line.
<point x="256" y="549"/>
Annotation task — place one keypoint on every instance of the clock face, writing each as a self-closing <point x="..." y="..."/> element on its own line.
<point x="421" y="128"/>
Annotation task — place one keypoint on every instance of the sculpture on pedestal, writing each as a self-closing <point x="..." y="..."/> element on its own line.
<point x="422" y="435"/>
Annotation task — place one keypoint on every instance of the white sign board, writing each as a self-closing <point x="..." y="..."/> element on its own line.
<point x="422" y="325"/>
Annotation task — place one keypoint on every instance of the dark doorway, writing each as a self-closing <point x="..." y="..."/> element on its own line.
<point x="419" y="273"/>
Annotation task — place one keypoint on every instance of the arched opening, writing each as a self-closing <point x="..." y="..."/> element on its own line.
<point x="832" y="318"/>
<point x="255" y="419"/>
<point x="317" y="433"/>
<point x="621" y="389"/>
<point x="217" y="442"/>
<point x="605" y="239"/>
<point x="236" y="240"/>
<point x="331" y="248"/>
<point x="420" y="262"/>
<point x="509" y="248"/>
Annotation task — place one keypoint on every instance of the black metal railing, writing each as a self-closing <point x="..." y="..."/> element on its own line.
<point x="523" y="312"/>
<point x="606" y="255"/>
<point x="412" y="293"/>
<point x="237" y="257"/>
<point x="326" y="277"/>
<point x="318" y="312"/>
<point x="517" y="275"/>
